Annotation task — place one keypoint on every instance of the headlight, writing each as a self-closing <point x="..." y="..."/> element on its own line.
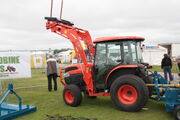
<point x="66" y="75"/>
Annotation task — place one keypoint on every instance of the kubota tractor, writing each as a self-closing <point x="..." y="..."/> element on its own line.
<point x="111" y="66"/>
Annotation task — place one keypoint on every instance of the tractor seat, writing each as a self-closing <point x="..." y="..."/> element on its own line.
<point x="59" y="20"/>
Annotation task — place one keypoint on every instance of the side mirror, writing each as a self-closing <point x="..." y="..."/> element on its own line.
<point x="147" y="65"/>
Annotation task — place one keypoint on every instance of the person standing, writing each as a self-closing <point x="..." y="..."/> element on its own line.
<point x="52" y="72"/>
<point x="166" y="65"/>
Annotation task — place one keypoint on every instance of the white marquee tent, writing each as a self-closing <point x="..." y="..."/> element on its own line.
<point x="153" y="54"/>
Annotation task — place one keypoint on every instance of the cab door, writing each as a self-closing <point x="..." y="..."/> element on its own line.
<point x="108" y="55"/>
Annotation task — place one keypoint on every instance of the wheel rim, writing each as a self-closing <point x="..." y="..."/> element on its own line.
<point x="69" y="96"/>
<point x="178" y="114"/>
<point x="127" y="94"/>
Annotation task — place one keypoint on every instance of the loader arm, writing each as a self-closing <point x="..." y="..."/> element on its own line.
<point x="75" y="35"/>
<point x="67" y="30"/>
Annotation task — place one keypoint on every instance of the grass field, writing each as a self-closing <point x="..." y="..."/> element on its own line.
<point x="101" y="108"/>
<point x="175" y="69"/>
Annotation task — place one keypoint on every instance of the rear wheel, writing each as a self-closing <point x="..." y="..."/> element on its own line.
<point x="149" y="80"/>
<point x="129" y="93"/>
<point x="72" y="95"/>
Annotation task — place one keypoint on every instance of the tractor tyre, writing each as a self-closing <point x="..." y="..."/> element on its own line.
<point x="129" y="93"/>
<point x="72" y="95"/>
<point x="176" y="113"/>
<point x="149" y="80"/>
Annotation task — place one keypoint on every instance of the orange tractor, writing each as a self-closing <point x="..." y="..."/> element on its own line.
<point x="111" y="66"/>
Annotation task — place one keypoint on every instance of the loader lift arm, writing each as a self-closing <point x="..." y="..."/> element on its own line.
<point x="66" y="29"/>
<point x="75" y="35"/>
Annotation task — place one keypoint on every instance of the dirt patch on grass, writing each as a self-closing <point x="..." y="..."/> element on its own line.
<point x="59" y="117"/>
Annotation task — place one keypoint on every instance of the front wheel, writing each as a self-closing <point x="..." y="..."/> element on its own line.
<point x="72" y="95"/>
<point x="129" y="93"/>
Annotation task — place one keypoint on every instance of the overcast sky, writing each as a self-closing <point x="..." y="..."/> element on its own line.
<point x="22" y="24"/>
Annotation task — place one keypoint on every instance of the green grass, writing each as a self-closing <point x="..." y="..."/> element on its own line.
<point x="101" y="108"/>
<point x="157" y="68"/>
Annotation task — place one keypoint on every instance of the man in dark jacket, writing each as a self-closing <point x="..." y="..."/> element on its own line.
<point x="52" y="72"/>
<point x="166" y="65"/>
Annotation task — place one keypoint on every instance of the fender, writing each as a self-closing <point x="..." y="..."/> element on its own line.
<point x="74" y="65"/>
<point x="74" y="69"/>
<point x="118" y="67"/>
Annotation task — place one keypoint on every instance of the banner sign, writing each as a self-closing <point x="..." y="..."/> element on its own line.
<point x="152" y="47"/>
<point x="15" y="65"/>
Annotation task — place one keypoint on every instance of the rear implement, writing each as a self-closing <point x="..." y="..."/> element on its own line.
<point x="168" y="93"/>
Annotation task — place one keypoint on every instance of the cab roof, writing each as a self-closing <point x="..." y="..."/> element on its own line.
<point x="106" y="39"/>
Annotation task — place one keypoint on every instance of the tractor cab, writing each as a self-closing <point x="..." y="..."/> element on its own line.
<point x="112" y="52"/>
